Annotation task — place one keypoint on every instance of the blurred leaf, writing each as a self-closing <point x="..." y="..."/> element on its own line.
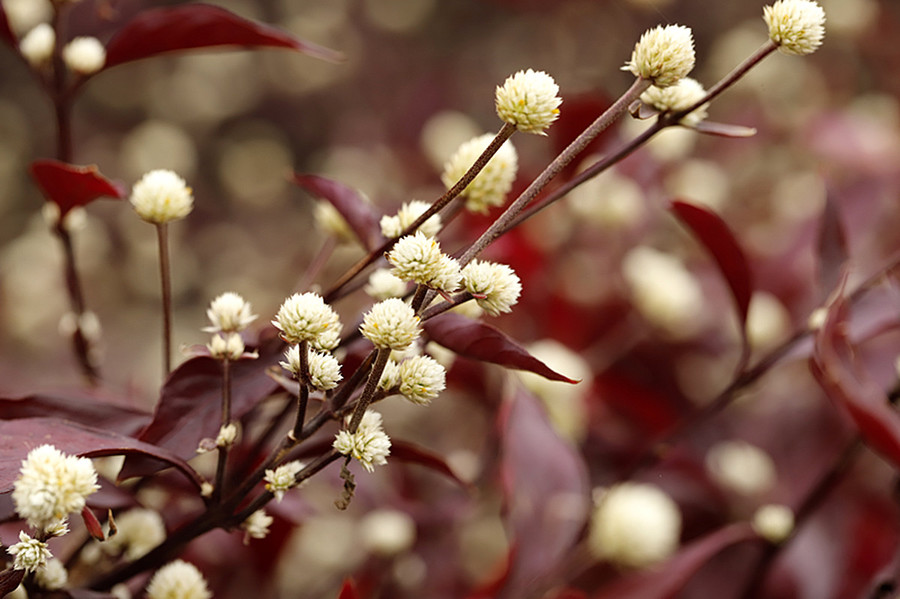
<point x="348" y="590"/>
<point x="193" y="26"/>
<point x="414" y="454"/>
<point x="832" y="246"/>
<point x="68" y="185"/>
<point x="499" y="574"/>
<point x="6" y="31"/>
<point x="724" y="129"/>
<point x="479" y="341"/>
<point x="669" y="578"/>
<point x="18" y="437"/>
<point x="76" y="406"/>
<point x="359" y="214"/>
<point x="545" y="491"/>
<point x="9" y="580"/>
<point x="94" y="528"/>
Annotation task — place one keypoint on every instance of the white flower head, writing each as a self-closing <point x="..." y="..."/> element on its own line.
<point x="422" y="379"/>
<point x="773" y="522"/>
<point x="178" y="580"/>
<point x="282" y="478"/>
<point x="390" y="376"/>
<point x="329" y="220"/>
<point x="391" y="324"/>
<point x="229" y="313"/>
<point x="52" y="485"/>
<point x="796" y="26"/>
<point x="139" y="531"/>
<point x="663" y="55"/>
<point x="529" y="100"/>
<point x="496" y="287"/>
<point x="37" y="48"/>
<point x="30" y="554"/>
<point x="161" y="196"/>
<point x="741" y="467"/>
<point x="490" y="186"/>
<point x="52" y="575"/>
<point x="393" y="226"/>
<point x="680" y="96"/>
<point x="387" y="532"/>
<point x="369" y="444"/>
<point x="256" y="526"/>
<point x="419" y="259"/>
<point x="227" y="435"/>
<point x="383" y="284"/>
<point x="306" y="317"/>
<point x="635" y="525"/>
<point x="231" y="346"/>
<point x="84" y="55"/>
<point x="324" y="369"/>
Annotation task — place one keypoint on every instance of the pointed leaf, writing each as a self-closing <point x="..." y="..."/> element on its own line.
<point x="170" y="29"/>
<point x="724" y="129"/>
<point x="359" y="213"/>
<point x="832" y="246"/>
<point x="480" y="341"/>
<point x="84" y="407"/>
<point x="414" y="454"/>
<point x="68" y="185"/>
<point x="348" y="590"/>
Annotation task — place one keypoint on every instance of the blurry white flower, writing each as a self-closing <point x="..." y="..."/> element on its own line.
<point x="282" y="478"/>
<point x="391" y="324"/>
<point x="178" y="580"/>
<point x="256" y="526"/>
<point x="231" y="347"/>
<point x="768" y="321"/>
<point x="37" y="48"/>
<point x="773" y="522"/>
<point x="369" y="444"/>
<point x="422" y="379"/>
<point x="306" y="317"/>
<point x="609" y="200"/>
<point x="161" y="196"/>
<point x="206" y="489"/>
<point x="229" y="313"/>
<point x="679" y="96"/>
<point x="529" y="100"/>
<point x="23" y="15"/>
<point x="387" y="532"/>
<point x="796" y="26"/>
<point x="741" y="467"/>
<point x="495" y="286"/>
<point x="330" y="221"/>
<point x="30" y="554"/>
<point x="490" y="186"/>
<point x="227" y="435"/>
<point x="383" y="284"/>
<point x="84" y="55"/>
<point x="663" y="55"/>
<point x="324" y="369"/>
<point x="52" y="575"/>
<point x="139" y="531"/>
<point x="393" y="226"/>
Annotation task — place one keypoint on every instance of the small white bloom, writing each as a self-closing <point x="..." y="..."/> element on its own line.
<point x="37" y="48"/>
<point x="324" y="369"/>
<point x="390" y="376"/>
<point x="306" y="317"/>
<point x="447" y="276"/>
<point x="52" y="576"/>
<point x="680" y="96"/>
<point x="229" y="313"/>
<point x="419" y="259"/>
<point x="391" y="324"/>
<point x="178" y="580"/>
<point x="383" y="284"/>
<point x="495" y="286"/>
<point x="139" y="531"/>
<point x="387" y="532"/>
<point x="796" y="26"/>
<point x="370" y="445"/>
<point x="741" y="467"/>
<point x="663" y="55"/>
<point x="282" y="478"/>
<point x="490" y="186"/>
<point x="206" y="489"/>
<point x="231" y="347"/>
<point x="529" y="101"/>
<point x="422" y="379"/>
<point x="329" y="220"/>
<point x="227" y="435"/>
<point x="635" y="525"/>
<point x="58" y="528"/>
<point x="30" y="554"/>
<point x="161" y="196"/>
<point x="52" y="485"/>
<point x="84" y="55"/>
<point x="393" y="226"/>
<point x="773" y="522"/>
<point x="256" y="526"/>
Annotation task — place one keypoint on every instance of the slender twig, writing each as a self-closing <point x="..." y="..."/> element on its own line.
<point x="303" y="392"/>
<point x="368" y="393"/>
<point x="226" y="419"/>
<point x="162" y="233"/>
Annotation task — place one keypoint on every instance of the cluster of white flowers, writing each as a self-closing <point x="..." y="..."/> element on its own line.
<point x="162" y="196"/>
<point x="796" y="26"/>
<point x="282" y="478"/>
<point x="324" y="369"/>
<point x="391" y="324"/>
<point x="306" y="317"/>
<point x="180" y="580"/>
<point x="139" y="531"/>
<point x="37" y="45"/>
<point x="680" y="96"/>
<point x="393" y="226"/>
<point x="663" y="55"/>
<point x="30" y="554"/>
<point x="383" y="284"/>
<point x="84" y="55"/>
<point x="422" y="379"/>
<point x="494" y="286"/>
<point x="492" y="183"/>
<point x="256" y="526"/>
<point x="369" y="444"/>
<point x="419" y="258"/>
<point x="529" y="100"/>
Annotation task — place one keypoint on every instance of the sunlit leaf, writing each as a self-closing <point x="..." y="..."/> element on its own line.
<point x="69" y="186"/>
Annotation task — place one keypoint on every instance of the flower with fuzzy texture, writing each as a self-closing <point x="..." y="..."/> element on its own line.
<point x="369" y="444"/>
<point x="663" y="55"/>
<point x="393" y="226"/>
<point x="635" y="525"/>
<point x="229" y="313"/>
<point x="84" y="55"/>
<point x="495" y="286"/>
<point x="161" y="196"/>
<point x="51" y="485"/>
<point x="231" y="347"/>
<point x="256" y="526"/>
<point x="329" y="220"/>
<point x="795" y="26"/>
<point x="529" y="101"/>
<point x="391" y="324"/>
<point x="52" y="575"/>
<point x="227" y="435"/>
<point x="139" y="531"/>
<point x="282" y="478"/>
<point x="30" y="554"/>
<point x="306" y="317"/>
<point x="390" y="376"/>
<point x="422" y="379"/>
<point x="383" y="284"/>
<point x="324" y="369"/>
<point x="178" y="580"/>
<point x="490" y="186"/>
<point x="419" y="259"/>
<point x="774" y="522"/>
<point x="680" y="96"/>
<point x="37" y="47"/>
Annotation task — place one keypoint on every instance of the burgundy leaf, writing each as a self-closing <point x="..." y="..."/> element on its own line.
<point x="9" y="580"/>
<point x="348" y="590"/>
<point x="94" y="528"/>
<point x="18" y="437"/>
<point x="6" y="31"/>
<point x="668" y="579"/>
<point x="80" y="406"/>
<point x="832" y="248"/>
<point x="359" y="214"/>
<point x="68" y="185"/>
<point x="194" y="26"/>
<point x="545" y="491"/>
<point x="479" y="341"/>
<point x="411" y="453"/>
<point x="724" y="129"/>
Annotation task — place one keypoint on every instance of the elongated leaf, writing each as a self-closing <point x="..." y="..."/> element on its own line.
<point x="359" y="214"/>
<point x="6" y="31"/>
<point x="832" y="246"/>
<point x="9" y="580"/>
<point x="724" y="129"/>
<point x="76" y="406"/>
<point x="479" y="341"/>
<point x="413" y="454"/>
<point x="68" y="185"/>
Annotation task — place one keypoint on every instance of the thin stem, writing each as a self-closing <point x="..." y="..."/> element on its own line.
<point x="349" y="386"/>
<point x="226" y="419"/>
<point x="162" y="233"/>
<point x="303" y="392"/>
<point x="362" y="404"/>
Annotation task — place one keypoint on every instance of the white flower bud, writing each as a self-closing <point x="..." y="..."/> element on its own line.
<point x="324" y="369"/>
<point x="329" y="220"/>
<point x="490" y="186"/>
<point x="282" y="478"/>
<point x="161" y="196"/>
<point x="774" y="523"/>
<point x="306" y="317"/>
<point x="227" y="435"/>
<point x="139" y="531"/>
<point x="796" y="26"/>
<point x="393" y="226"/>
<point x="30" y="554"/>
<point x="390" y="376"/>
<point x="369" y="444"/>
<point x="741" y="467"/>
<point x="663" y="55"/>
<point x="37" y="48"/>
<point x="52" y="575"/>
<point x="495" y="286"/>
<point x="84" y="55"/>
<point x="383" y="284"/>
<point x="231" y="347"/>
<point x="422" y="379"/>
<point x="178" y="579"/>
<point x="680" y="96"/>
<point x="387" y="532"/>
<point x="229" y="313"/>
<point x="391" y="324"/>
<point x="529" y="101"/>
<point x="256" y="526"/>
<point x="418" y="258"/>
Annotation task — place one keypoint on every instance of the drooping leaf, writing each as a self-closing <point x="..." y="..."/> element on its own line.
<point x="414" y="454"/>
<point x="84" y="407"/>
<point x="832" y="246"/>
<point x="193" y="26"/>
<point x="6" y="31"/>
<point x="479" y="341"/>
<point x="359" y="214"/>
<point x="68" y="185"/>
<point x="348" y="590"/>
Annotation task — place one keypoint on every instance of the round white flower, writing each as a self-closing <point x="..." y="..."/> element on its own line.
<point x="324" y="369"/>
<point x="52" y="575"/>
<point x="256" y="526"/>
<point x="227" y="435"/>
<point x="387" y="532"/>
<point x="741" y="467"/>
<point x="419" y="259"/>
<point x="52" y="485"/>
<point x="796" y="26"/>
<point x="490" y="186"/>
<point x="161" y="196"/>
<point x="663" y="55"/>
<point x="178" y="580"/>
<point x="37" y="48"/>
<point x="495" y="286"/>
<point x="774" y="523"/>
<point x="393" y="226"/>
<point x="30" y="554"/>
<point x="369" y="444"/>
<point x="390" y="376"/>
<point x="329" y="220"/>
<point x="231" y="347"/>
<point x="391" y="324"/>
<point x="635" y="525"/>
<point x="139" y="531"/>
<point x="529" y="101"/>
<point x="229" y="313"/>
<point x="282" y="478"/>
<point x="84" y="55"/>
<point x="422" y="379"/>
<point x="680" y="96"/>
<point x="383" y="284"/>
<point x="306" y="317"/>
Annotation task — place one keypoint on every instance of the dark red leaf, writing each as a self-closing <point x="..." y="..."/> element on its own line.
<point x="479" y="341"/>
<point x="348" y="590"/>
<point x="81" y="406"/>
<point x="18" y="437"/>
<point x="359" y="214"/>
<point x="194" y="26"/>
<point x="832" y="248"/>
<point x="68" y="185"/>
<point x="545" y="491"/>
<point x="669" y="579"/>
<point x="9" y="580"/>
<point x="6" y="31"/>
<point x="411" y="453"/>
<point x="92" y="524"/>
